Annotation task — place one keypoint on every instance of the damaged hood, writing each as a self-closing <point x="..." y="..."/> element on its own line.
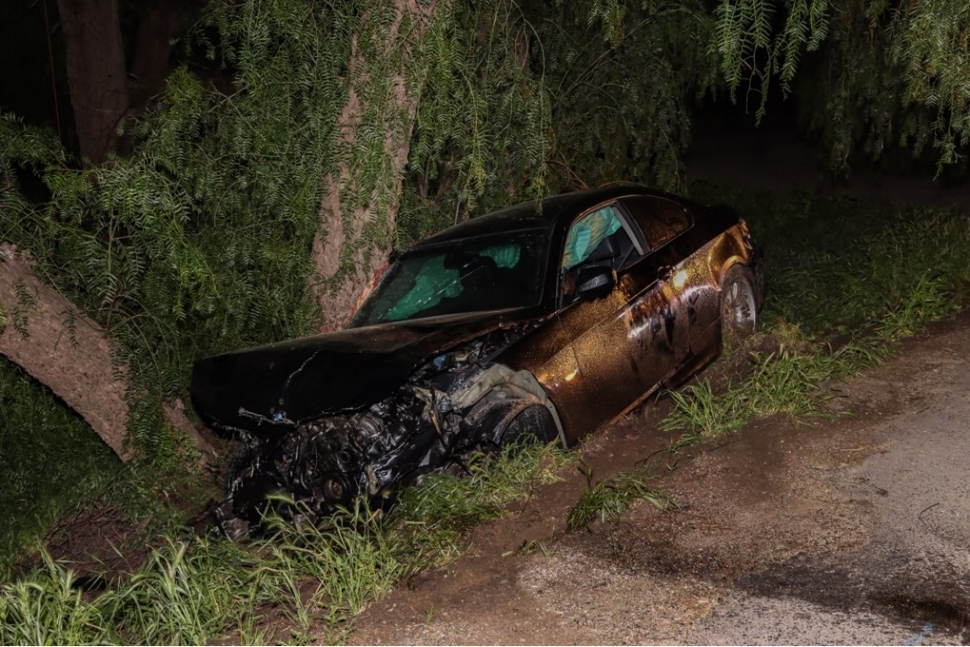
<point x="274" y="387"/>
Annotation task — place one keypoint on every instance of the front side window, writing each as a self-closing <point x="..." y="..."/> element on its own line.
<point x="472" y="275"/>
<point x="588" y="233"/>
<point x="600" y="238"/>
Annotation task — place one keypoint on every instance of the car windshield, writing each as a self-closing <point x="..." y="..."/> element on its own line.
<point x="472" y="275"/>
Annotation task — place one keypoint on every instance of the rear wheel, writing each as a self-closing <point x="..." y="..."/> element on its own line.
<point x="739" y="310"/>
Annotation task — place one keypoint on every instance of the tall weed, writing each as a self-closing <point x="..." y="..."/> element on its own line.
<point x="608" y="499"/>
<point x="310" y="578"/>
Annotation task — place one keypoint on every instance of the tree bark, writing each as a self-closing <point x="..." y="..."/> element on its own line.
<point x="341" y="231"/>
<point x="161" y="21"/>
<point x="96" y="73"/>
<point x="54" y="343"/>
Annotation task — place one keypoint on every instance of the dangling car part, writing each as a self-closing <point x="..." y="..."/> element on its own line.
<point x="547" y="319"/>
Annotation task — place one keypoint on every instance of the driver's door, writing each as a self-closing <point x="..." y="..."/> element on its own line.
<point x="626" y="342"/>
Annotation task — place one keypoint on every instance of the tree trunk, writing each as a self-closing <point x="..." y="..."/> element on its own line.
<point x="96" y="73"/>
<point x="44" y="334"/>
<point x="161" y="21"/>
<point x="344" y="279"/>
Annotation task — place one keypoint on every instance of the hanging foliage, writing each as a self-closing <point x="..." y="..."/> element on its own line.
<point x="199" y="240"/>
<point x="884" y="73"/>
<point x="622" y="78"/>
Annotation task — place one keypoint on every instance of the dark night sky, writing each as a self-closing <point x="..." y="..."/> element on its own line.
<point x="25" y="63"/>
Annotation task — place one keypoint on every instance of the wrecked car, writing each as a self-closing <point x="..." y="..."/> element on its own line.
<point x="546" y="320"/>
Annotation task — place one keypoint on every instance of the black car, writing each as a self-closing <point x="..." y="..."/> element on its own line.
<point x="547" y="319"/>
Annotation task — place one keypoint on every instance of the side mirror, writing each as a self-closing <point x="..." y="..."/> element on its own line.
<point x="595" y="282"/>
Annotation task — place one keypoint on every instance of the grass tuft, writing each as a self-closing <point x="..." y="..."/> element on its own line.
<point x="605" y="500"/>
<point x="448" y="504"/>
<point x="308" y="578"/>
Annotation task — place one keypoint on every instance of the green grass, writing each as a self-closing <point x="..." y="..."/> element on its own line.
<point x="791" y="380"/>
<point x="446" y="505"/>
<point x="311" y="579"/>
<point x="838" y="264"/>
<point x="605" y="500"/>
<point x="52" y="462"/>
<point x="194" y="589"/>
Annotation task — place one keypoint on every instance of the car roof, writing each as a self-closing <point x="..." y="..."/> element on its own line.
<point x="549" y="213"/>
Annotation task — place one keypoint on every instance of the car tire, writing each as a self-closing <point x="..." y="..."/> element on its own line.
<point x="534" y="424"/>
<point x="246" y="489"/>
<point x="239" y="467"/>
<point x="739" y="303"/>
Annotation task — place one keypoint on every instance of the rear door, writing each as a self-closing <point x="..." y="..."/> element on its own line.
<point x="677" y="252"/>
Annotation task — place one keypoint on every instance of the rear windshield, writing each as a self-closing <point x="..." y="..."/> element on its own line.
<point x="472" y="275"/>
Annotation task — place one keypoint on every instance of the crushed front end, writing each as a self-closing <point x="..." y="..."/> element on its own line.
<point x="325" y="463"/>
<point x="454" y="403"/>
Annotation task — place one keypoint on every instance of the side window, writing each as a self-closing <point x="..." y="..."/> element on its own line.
<point x="600" y="238"/>
<point x="660" y="219"/>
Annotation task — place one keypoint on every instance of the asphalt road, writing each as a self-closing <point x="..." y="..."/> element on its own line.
<point x="909" y="583"/>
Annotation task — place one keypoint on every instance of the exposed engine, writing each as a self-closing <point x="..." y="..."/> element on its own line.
<point x="457" y="402"/>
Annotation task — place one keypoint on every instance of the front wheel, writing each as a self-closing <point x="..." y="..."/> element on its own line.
<point x="739" y="310"/>
<point x="534" y="423"/>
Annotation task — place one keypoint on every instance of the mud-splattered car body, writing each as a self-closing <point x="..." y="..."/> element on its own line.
<point x="549" y="318"/>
